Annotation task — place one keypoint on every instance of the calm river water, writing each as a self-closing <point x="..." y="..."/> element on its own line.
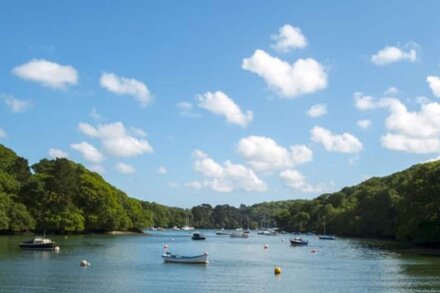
<point x="134" y="264"/>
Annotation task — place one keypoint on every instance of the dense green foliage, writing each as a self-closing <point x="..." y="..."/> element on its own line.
<point x="404" y="206"/>
<point x="64" y="197"/>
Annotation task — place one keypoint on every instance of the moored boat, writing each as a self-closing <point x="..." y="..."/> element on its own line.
<point x="198" y="236"/>
<point x="297" y="241"/>
<point x="222" y="232"/>
<point x="327" y="237"/>
<point x="238" y="235"/>
<point x="38" y="243"/>
<point x="174" y="258"/>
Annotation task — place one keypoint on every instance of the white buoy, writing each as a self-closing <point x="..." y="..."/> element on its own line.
<point x="84" y="263"/>
<point x="266" y="246"/>
<point x="165" y="246"/>
<point x="57" y="249"/>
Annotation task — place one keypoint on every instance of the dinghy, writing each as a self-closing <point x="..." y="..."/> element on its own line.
<point x="197" y="259"/>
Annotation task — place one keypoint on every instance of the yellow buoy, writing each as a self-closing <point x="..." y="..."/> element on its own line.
<point x="277" y="270"/>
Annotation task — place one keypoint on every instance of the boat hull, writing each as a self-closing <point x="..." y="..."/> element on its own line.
<point x="198" y="259"/>
<point x="299" y="243"/>
<point x="327" y="237"/>
<point x="43" y="246"/>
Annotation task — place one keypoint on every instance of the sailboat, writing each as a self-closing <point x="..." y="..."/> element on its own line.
<point x="187" y="227"/>
<point x="325" y="236"/>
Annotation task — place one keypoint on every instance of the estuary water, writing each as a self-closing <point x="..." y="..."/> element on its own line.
<point x="134" y="264"/>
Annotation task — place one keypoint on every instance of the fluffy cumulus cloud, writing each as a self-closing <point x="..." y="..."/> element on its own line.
<point x="220" y="104"/>
<point x="226" y="177"/>
<point x="343" y="143"/>
<point x="434" y="84"/>
<point x="305" y="76"/>
<point x="296" y="181"/>
<point x="2" y="134"/>
<point x="289" y="37"/>
<point x="47" y="73"/>
<point x="125" y="168"/>
<point x="115" y="139"/>
<point x="57" y="153"/>
<point x="88" y="152"/>
<point x="264" y="154"/>
<point x="409" y="131"/>
<point x="16" y="105"/>
<point x="364" y="124"/>
<point x="126" y="86"/>
<point x="317" y="110"/>
<point x="391" y="54"/>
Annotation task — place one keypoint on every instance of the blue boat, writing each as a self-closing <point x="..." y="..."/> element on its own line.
<point x="327" y="237"/>
<point x="198" y="236"/>
<point x="297" y="241"/>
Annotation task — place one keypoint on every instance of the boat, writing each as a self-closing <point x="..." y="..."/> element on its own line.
<point x="221" y="232"/>
<point x="174" y="258"/>
<point x="38" y="243"/>
<point x="327" y="237"/>
<point x="187" y="227"/>
<point x="198" y="236"/>
<point x="297" y="241"/>
<point x="176" y="228"/>
<point x="238" y="235"/>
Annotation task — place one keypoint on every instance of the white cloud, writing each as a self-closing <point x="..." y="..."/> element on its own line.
<point x="57" y="153"/>
<point x="220" y="104"/>
<point x="391" y="54"/>
<point x="162" y="170"/>
<point x="343" y="143"/>
<point x="264" y="154"/>
<point x="226" y="177"/>
<point x="126" y="86"/>
<point x="289" y="37"/>
<point x="434" y="84"/>
<point x="364" y="124"/>
<point x="416" y="145"/>
<point x="138" y="132"/>
<point x="413" y="132"/>
<point x="317" y="110"/>
<point x="97" y="168"/>
<point x="295" y="180"/>
<point x="2" y="134"/>
<point x="186" y="110"/>
<point x="115" y="139"/>
<point x="15" y="104"/>
<point x="95" y="115"/>
<point x="47" y="73"/>
<point x="125" y="168"/>
<point x="305" y="76"/>
<point x="88" y="152"/>
<point x="391" y="91"/>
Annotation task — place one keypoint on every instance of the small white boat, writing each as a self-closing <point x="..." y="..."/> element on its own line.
<point x="197" y="259"/>
<point x="187" y="228"/>
<point x="239" y="235"/>
<point x="38" y="243"/>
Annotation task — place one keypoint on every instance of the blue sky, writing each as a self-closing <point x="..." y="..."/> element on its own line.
<point x="189" y="102"/>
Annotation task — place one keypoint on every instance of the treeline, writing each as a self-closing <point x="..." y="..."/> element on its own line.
<point x="64" y="197"/>
<point x="403" y="206"/>
<point x="61" y="196"/>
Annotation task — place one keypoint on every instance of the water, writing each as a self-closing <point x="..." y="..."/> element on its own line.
<point x="134" y="264"/>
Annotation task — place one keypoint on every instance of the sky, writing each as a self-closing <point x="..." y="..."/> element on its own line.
<point x="222" y="102"/>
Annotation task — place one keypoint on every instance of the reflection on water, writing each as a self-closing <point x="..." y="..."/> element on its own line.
<point x="134" y="264"/>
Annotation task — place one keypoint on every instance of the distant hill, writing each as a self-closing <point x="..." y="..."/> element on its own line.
<point x="404" y="206"/>
<point x="62" y="196"/>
